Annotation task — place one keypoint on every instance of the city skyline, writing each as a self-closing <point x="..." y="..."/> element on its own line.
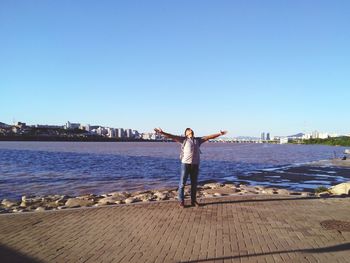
<point x="245" y="67"/>
<point x="263" y="135"/>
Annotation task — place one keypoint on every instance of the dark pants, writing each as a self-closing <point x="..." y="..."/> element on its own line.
<point x="192" y="171"/>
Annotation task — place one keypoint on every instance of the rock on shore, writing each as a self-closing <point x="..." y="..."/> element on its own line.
<point x="58" y="202"/>
<point x="342" y="189"/>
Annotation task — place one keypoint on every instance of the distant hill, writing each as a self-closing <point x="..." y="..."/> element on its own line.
<point x="300" y="134"/>
<point x="3" y="124"/>
<point x="339" y="141"/>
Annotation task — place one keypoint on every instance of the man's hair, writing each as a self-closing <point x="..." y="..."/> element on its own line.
<point x="187" y="130"/>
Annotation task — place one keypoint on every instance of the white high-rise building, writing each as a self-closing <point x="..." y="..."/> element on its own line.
<point x="307" y="136"/>
<point x="120" y="133"/>
<point x="111" y="132"/>
<point x="146" y="136"/>
<point x="323" y="135"/>
<point x="70" y="125"/>
<point x="85" y="127"/>
<point x="101" y="131"/>
<point x="128" y="133"/>
<point x="284" y="140"/>
<point x="315" y="135"/>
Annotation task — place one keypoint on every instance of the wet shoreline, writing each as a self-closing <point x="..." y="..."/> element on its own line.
<point x="305" y="177"/>
<point x="281" y="179"/>
<point x="74" y="168"/>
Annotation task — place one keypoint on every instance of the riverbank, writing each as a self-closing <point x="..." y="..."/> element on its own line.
<point x="210" y="190"/>
<point x="67" y="168"/>
<point x="277" y="181"/>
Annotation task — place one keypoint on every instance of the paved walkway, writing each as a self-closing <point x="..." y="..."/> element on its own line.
<point x="231" y="229"/>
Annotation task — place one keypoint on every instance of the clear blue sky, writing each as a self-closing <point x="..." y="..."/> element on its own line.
<point x="245" y="66"/>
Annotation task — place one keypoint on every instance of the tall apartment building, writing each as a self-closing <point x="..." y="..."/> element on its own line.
<point x="262" y="136"/>
<point x="120" y="133"/>
<point x="111" y="132"/>
<point x="128" y="133"/>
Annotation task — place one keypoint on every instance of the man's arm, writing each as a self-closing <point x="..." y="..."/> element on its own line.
<point x="168" y="135"/>
<point x="213" y="136"/>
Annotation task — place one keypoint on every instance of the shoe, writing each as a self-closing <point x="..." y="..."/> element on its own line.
<point x="182" y="204"/>
<point x="195" y="203"/>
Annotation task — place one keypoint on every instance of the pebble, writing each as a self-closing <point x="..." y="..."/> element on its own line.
<point x="161" y="195"/>
<point x="78" y="202"/>
<point x="8" y="203"/>
<point x="213" y="185"/>
<point x="130" y="200"/>
<point x="146" y="197"/>
<point x="109" y="200"/>
<point x="323" y="194"/>
<point x="270" y="191"/>
<point x="283" y="192"/>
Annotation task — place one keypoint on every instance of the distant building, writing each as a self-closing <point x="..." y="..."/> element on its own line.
<point x="70" y="125"/>
<point x="101" y="131"/>
<point x="315" y="135"/>
<point x="268" y="136"/>
<point x="136" y="134"/>
<point x="319" y="135"/>
<point x="20" y="124"/>
<point x="120" y="133"/>
<point x="323" y="135"/>
<point x="307" y="136"/>
<point x="111" y="133"/>
<point x="262" y="136"/>
<point x="284" y="140"/>
<point x="147" y="136"/>
<point x="85" y="127"/>
<point x="276" y="138"/>
<point x="128" y="133"/>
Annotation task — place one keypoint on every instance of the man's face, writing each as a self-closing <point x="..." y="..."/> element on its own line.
<point x="189" y="133"/>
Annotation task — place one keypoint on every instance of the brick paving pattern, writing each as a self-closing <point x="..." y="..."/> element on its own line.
<point x="227" y="229"/>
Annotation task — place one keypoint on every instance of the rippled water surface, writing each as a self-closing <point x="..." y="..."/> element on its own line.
<point x="99" y="167"/>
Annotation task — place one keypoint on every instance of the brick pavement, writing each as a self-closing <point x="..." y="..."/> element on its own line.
<point x="228" y="229"/>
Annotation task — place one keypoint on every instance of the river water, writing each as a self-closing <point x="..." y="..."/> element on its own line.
<point x="75" y="168"/>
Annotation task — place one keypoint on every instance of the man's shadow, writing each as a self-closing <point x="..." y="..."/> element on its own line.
<point x="8" y="254"/>
<point x="335" y="248"/>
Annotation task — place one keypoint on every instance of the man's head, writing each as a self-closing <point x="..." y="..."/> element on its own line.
<point x="189" y="133"/>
